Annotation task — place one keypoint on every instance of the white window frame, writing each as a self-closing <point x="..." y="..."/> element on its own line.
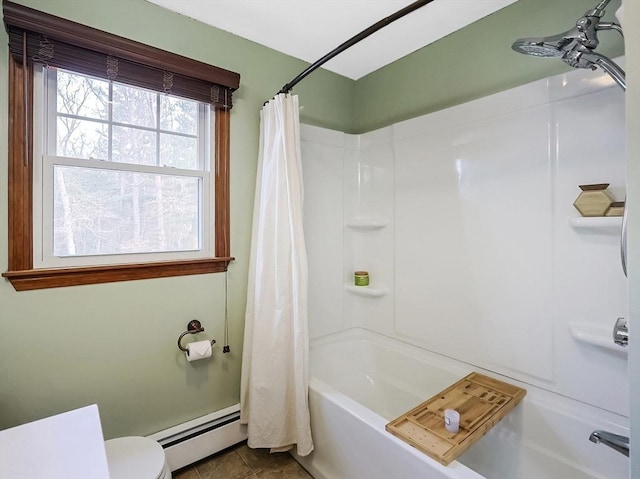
<point x="44" y="140"/>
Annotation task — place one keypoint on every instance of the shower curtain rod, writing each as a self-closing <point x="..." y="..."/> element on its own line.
<point x="352" y="41"/>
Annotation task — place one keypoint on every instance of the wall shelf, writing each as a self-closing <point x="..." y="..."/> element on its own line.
<point x="367" y="291"/>
<point x="597" y="224"/>
<point x="367" y="223"/>
<point x="595" y="335"/>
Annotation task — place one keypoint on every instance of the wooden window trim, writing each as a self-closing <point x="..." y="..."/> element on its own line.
<point x="57" y="277"/>
<point x="21" y="273"/>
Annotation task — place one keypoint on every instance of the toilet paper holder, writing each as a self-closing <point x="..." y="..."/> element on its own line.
<point x="193" y="327"/>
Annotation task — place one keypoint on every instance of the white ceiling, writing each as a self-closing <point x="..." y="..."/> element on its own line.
<point x="309" y="29"/>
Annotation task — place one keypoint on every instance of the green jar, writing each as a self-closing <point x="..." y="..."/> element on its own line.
<point x="361" y="278"/>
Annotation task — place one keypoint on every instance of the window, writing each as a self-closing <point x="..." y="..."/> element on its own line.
<point x="128" y="170"/>
<point x="118" y="157"/>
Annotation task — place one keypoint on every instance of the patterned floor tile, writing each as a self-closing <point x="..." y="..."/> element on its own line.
<point x="228" y="465"/>
<point x="189" y="473"/>
<point x="261" y="459"/>
<point x="242" y="462"/>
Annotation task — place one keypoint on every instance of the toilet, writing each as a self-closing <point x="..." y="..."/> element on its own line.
<point x="136" y="458"/>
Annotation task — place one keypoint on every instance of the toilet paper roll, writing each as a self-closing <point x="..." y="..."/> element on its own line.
<point x="198" y="350"/>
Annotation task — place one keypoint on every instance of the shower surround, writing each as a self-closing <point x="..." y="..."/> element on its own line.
<point x="464" y="220"/>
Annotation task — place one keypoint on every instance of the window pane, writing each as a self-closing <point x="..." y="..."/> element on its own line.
<point x="82" y="139"/>
<point x="178" y="151"/>
<point x="82" y="96"/>
<point x="134" y="106"/>
<point x="179" y="115"/>
<point x="100" y="211"/>
<point x="132" y="145"/>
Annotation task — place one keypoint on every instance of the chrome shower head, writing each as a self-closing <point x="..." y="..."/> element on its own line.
<point x="576" y="47"/>
<point x="537" y="48"/>
<point x="555" y="46"/>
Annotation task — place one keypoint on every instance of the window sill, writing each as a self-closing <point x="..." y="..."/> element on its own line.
<point x="58" y="277"/>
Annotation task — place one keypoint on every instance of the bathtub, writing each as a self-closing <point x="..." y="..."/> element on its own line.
<point x="361" y="380"/>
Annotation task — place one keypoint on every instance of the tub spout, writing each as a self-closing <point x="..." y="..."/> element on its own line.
<point x="614" y="441"/>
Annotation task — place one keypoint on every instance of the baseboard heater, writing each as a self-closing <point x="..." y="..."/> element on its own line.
<point x="191" y="441"/>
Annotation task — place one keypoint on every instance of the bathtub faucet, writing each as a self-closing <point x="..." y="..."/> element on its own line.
<point x="614" y="441"/>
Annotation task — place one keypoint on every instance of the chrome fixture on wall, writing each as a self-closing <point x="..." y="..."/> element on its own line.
<point x="614" y="441"/>
<point x="576" y="47"/>
<point x="621" y="333"/>
<point x="193" y="327"/>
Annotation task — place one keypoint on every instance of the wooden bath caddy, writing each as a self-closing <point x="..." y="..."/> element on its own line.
<point x="481" y="401"/>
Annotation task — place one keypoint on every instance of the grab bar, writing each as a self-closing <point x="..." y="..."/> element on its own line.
<point x="623" y="239"/>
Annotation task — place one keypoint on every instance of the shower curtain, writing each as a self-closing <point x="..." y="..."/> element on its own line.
<point x="275" y="377"/>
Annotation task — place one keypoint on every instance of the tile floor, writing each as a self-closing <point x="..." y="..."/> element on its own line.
<point x="240" y="462"/>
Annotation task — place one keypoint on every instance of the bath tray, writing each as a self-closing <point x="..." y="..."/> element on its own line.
<point x="481" y="401"/>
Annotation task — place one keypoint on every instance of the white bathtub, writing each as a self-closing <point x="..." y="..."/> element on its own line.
<point x="361" y="380"/>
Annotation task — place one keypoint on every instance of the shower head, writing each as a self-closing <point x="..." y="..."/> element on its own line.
<point x="576" y="47"/>
<point x="548" y="47"/>
<point x="537" y="47"/>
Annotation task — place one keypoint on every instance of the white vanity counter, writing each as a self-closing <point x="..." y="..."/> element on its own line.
<point x="66" y="446"/>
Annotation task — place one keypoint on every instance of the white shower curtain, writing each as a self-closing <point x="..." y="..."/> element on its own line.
<point x="275" y="377"/>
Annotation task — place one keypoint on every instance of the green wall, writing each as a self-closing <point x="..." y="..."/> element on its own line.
<point x="471" y="63"/>
<point x="115" y="344"/>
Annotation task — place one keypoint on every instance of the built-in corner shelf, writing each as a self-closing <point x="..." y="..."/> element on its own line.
<point x="595" y="335"/>
<point x="367" y="291"/>
<point x="366" y="223"/>
<point x="597" y="224"/>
